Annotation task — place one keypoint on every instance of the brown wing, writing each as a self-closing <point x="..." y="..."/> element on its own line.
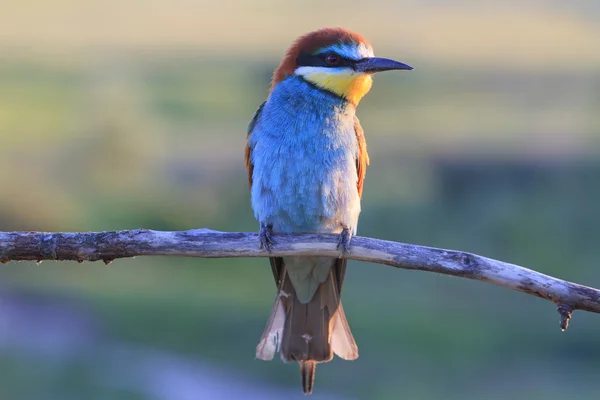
<point x="248" y="150"/>
<point x="362" y="160"/>
<point x="363" y="157"/>
<point x="276" y="262"/>
<point x="248" y="163"/>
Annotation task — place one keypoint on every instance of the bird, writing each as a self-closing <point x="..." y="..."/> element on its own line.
<point x="306" y="159"/>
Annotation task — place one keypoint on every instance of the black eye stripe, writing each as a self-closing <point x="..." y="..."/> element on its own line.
<point x="320" y="60"/>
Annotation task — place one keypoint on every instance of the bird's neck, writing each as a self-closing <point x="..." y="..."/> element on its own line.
<point x="295" y="94"/>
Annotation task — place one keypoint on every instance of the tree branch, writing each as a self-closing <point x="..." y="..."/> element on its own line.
<point x="206" y="243"/>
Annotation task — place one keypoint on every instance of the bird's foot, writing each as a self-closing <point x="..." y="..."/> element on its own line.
<point x="265" y="236"/>
<point x="344" y="241"/>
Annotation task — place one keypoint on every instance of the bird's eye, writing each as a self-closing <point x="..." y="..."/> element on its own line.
<point x="332" y="59"/>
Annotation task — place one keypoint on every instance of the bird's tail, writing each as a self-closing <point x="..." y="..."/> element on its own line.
<point x="307" y="370"/>
<point x="308" y="333"/>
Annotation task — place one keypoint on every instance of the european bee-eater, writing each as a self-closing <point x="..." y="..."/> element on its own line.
<point x="306" y="158"/>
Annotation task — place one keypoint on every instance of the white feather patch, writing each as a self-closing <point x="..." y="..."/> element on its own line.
<point x="342" y="341"/>
<point x="270" y="340"/>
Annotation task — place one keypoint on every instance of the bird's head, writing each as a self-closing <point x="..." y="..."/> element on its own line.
<point x="336" y="60"/>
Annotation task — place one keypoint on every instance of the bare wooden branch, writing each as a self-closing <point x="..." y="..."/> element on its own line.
<point x="107" y="246"/>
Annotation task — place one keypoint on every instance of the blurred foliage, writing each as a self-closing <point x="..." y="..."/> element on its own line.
<point x="501" y="160"/>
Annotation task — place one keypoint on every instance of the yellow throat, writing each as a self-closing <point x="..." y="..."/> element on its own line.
<point x="348" y="84"/>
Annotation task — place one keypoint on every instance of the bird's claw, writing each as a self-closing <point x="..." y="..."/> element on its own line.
<point x="265" y="237"/>
<point x="344" y="241"/>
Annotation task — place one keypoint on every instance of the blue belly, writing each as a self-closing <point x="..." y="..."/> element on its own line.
<point x="304" y="151"/>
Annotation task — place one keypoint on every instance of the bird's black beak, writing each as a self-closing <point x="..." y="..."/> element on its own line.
<point x="376" y="64"/>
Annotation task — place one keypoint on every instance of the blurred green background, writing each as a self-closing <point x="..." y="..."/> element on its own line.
<point x="127" y="114"/>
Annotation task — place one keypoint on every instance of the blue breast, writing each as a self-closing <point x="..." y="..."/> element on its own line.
<point x="304" y="151"/>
